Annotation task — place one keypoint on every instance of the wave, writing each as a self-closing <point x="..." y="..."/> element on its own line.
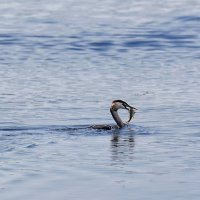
<point x="71" y="130"/>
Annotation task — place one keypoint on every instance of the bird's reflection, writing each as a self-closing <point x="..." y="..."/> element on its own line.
<point x="122" y="146"/>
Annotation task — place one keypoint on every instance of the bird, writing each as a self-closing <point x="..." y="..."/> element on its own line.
<point x="115" y="106"/>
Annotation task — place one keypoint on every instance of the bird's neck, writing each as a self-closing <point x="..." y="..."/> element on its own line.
<point x="117" y="118"/>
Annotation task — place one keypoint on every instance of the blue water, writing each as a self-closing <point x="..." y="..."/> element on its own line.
<point x="61" y="65"/>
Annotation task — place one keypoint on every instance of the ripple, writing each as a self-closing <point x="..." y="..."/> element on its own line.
<point x="143" y="43"/>
<point x="64" y="69"/>
<point x="76" y="130"/>
<point x="102" y="44"/>
<point x="30" y="146"/>
<point x="188" y="18"/>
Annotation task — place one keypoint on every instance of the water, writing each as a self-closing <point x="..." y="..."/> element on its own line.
<point x="61" y="65"/>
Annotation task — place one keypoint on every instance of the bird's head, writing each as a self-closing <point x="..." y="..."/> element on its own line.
<point x="119" y="104"/>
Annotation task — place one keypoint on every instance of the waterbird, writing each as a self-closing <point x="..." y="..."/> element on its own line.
<point x="115" y="106"/>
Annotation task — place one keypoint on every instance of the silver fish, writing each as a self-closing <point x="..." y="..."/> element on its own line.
<point x="131" y="113"/>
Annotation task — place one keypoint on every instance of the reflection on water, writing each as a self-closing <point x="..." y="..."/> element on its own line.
<point x="122" y="146"/>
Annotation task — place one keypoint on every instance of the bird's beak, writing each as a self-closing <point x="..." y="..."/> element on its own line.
<point x="131" y="108"/>
<point x="134" y="108"/>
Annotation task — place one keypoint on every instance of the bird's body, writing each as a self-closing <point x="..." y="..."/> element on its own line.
<point x="117" y="104"/>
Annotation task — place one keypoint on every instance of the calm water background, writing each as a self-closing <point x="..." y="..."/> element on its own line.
<point x="61" y="65"/>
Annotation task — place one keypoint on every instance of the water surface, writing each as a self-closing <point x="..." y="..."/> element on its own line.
<point x="61" y="65"/>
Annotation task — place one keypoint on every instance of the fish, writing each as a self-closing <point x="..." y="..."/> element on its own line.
<point x="131" y="113"/>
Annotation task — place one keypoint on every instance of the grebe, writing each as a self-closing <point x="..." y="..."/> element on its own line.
<point x="117" y="104"/>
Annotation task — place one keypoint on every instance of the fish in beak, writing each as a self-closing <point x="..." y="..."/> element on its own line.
<point x="132" y="112"/>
